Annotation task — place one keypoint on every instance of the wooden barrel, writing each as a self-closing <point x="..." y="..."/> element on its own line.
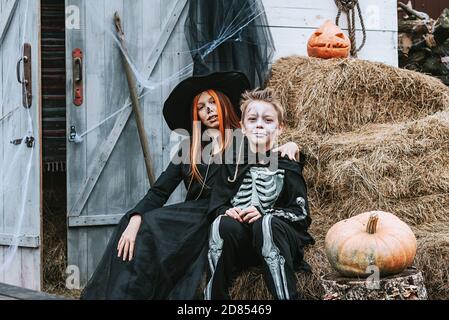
<point x="408" y="285"/>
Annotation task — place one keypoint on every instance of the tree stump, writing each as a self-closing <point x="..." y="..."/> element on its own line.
<point x="409" y="285"/>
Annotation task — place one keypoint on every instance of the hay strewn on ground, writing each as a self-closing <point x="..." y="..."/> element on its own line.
<point x="376" y="138"/>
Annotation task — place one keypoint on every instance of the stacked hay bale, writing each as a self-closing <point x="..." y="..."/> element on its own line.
<point x="376" y="138"/>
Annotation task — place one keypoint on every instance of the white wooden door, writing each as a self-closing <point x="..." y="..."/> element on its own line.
<point x="20" y="162"/>
<point x="106" y="171"/>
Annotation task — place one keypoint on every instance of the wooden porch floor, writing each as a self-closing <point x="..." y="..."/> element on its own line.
<point x="8" y="292"/>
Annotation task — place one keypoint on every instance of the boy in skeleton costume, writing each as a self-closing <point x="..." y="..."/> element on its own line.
<point x="262" y="207"/>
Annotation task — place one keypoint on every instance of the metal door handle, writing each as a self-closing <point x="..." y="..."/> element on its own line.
<point x="26" y="83"/>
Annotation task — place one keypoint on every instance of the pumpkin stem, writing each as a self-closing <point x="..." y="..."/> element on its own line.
<point x="372" y="224"/>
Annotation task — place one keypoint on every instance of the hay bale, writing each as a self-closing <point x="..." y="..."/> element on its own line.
<point x="432" y="258"/>
<point x="340" y="95"/>
<point x="415" y="211"/>
<point x="401" y="168"/>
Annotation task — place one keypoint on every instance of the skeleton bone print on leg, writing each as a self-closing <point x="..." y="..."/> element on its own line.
<point x="274" y="260"/>
<point x="260" y="188"/>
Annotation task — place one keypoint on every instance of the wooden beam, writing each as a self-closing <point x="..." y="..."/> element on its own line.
<point x="5" y="19"/>
<point x="105" y="150"/>
<point x="25" y="241"/>
<point x="94" y="220"/>
<point x="8" y="292"/>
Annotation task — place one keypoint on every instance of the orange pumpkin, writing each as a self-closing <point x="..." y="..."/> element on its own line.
<point x="329" y="41"/>
<point x="370" y="239"/>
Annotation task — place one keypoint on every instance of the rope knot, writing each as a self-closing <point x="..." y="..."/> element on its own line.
<point x="350" y="7"/>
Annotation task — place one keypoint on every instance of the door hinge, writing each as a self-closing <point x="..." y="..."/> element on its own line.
<point x="29" y="141"/>
<point x="73" y="137"/>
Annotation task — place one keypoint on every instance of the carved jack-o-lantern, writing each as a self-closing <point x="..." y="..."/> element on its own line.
<point x="329" y="41"/>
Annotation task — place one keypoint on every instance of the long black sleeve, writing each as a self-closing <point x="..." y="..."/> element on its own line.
<point x="292" y="204"/>
<point x="161" y="191"/>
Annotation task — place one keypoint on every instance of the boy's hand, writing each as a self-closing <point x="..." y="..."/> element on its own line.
<point x="234" y="213"/>
<point x="250" y="215"/>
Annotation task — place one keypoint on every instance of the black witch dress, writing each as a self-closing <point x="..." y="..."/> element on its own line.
<point x="171" y="245"/>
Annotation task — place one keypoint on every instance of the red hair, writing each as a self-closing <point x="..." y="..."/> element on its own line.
<point x="227" y="119"/>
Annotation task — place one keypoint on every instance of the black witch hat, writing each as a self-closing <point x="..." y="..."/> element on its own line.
<point x="178" y="106"/>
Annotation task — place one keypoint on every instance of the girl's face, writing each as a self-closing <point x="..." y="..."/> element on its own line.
<point x="207" y="111"/>
<point x="261" y="125"/>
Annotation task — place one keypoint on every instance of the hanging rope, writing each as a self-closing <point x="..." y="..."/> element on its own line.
<point x="349" y="7"/>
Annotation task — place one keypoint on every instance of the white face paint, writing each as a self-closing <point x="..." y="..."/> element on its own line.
<point x="207" y="111"/>
<point x="261" y="125"/>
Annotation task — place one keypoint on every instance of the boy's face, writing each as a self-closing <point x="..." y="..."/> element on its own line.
<point x="261" y="124"/>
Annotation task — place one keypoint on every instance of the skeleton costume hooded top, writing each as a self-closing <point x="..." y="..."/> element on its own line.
<point x="276" y="240"/>
<point x="281" y="193"/>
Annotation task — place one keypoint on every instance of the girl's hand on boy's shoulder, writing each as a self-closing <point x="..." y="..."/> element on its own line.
<point x="250" y="215"/>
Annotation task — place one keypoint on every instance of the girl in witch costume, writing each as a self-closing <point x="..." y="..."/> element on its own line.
<point x="262" y="207"/>
<point x="159" y="252"/>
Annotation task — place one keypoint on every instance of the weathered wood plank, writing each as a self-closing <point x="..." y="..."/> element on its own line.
<point x="31" y="269"/>
<point x="24" y="269"/>
<point x="94" y="220"/>
<point x="108" y="193"/>
<point x="153" y="116"/>
<point x="172" y="61"/>
<point x="12" y="128"/>
<point x="380" y="46"/>
<point x="97" y="240"/>
<point x="77" y="247"/>
<point x="31" y="257"/>
<point x="6" y="17"/>
<point x="9" y="292"/>
<point x="96" y="101"/>
<point x="111" y="184"/>
<point x="136" y="184"/>
<point x="128" y="156"/>
<point x="27" y="241"/>
<point x="292" y="23"/>
<point x="2" y="152"/>
<point x="379" y="15"/>
<point x="99" y="163"/>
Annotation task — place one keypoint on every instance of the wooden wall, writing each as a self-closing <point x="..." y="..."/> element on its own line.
<point x="293" y="22"/>
<point x="123" y="181"/>
<point x="24" y="269"/>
